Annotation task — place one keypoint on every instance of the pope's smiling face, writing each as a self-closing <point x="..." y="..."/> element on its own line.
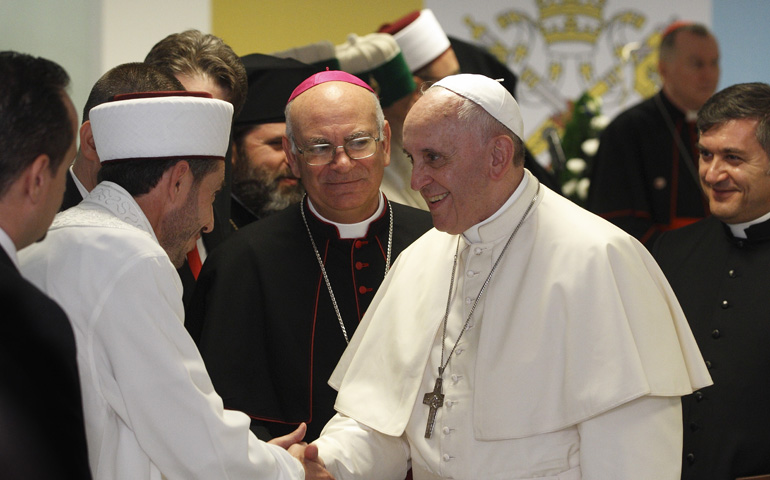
<point x="446" y="165"/>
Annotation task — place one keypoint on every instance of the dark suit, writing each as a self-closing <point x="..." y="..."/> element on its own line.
<point x="723" y="285"/>
<point x="641" y="180"/>
<point x="240" y="216"/>
<point x="41" y="412"/>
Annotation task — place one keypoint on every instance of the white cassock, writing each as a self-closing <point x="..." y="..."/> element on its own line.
<point x="151" y="411"/>
<point x="572" y="366"/>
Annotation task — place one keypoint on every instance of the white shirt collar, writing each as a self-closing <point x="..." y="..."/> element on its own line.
<point x="472" y="234"/>
<point x="7" y="244"/>
<point x="739" y="229"/>
<point x="78" y="183"/>
<point x="351" y="230"/>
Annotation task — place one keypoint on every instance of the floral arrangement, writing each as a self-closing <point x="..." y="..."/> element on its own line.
<point x="579" y="143"/>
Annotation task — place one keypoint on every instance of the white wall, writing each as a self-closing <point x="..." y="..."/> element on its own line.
<point x="88" y="37"/>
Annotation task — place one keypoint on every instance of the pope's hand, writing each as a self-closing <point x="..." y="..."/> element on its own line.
<point x="308" y="456"/>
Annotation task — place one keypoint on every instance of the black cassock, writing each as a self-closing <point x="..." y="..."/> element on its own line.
<point x="723" y="285"/>
<point x="640" y="179"/>
<point x="263" y="318"/>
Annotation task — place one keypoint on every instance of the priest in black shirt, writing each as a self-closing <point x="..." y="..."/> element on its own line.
<point x="719" y="269"/>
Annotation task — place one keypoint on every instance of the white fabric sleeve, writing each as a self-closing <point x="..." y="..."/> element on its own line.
<point x="154" y="379"/>
<point x="641" y="439"/>
<point x="354" y="451"/>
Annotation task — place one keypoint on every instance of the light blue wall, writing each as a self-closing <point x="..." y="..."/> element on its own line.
<point x="743" y="30"/>
<point x="88" y="37"/>
<point x="65" y="32"/>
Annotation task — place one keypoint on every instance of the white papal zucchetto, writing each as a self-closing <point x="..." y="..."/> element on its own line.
<point x="488" y="94"/>
<point x="161" y="125"/>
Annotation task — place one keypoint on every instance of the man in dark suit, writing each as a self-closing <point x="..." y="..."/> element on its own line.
<point x="41" y="415"/>
<point x="125" y="78"/>
<point x="719" y="269"/>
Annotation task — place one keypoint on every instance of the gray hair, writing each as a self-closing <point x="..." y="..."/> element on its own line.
<point x="379" y="119"/>
<point x="475" y="119"/>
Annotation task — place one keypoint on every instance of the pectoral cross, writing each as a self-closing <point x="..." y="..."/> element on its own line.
<point x="434" y="400"/>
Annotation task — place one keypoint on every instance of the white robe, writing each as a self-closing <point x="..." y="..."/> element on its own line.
<point x="151" y="411"/>
<point x="573" y="368"/>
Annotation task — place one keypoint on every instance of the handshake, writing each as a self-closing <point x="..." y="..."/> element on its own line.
<point x="306" y="454"/>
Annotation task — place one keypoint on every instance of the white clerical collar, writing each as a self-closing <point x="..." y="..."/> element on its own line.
<point x="691" y="115"/>
<point x="351" y="230"/>
<point x="472" y="234"/>
<point x="83" y="191"/>
<point x="7" y="244"/>
<point x="739" y="229"/>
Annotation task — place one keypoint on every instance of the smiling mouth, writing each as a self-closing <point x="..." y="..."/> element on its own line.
<point x="437" y="198"/>
<point x="721" y="188"/>
<point x="344" y="182"/>
<point x="721" y="193"/>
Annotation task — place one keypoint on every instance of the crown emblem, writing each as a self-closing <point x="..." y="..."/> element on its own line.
<point x="570" y="20"/>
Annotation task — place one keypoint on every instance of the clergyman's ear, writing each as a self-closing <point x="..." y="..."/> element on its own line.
<point x="178" y="180"/>
<point x="501" y="155"/>
<point x="87" y="144"/>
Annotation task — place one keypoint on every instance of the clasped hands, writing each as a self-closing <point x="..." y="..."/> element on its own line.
<point x="306" y="454"/>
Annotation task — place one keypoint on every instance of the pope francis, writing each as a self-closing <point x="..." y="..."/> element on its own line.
<point x="521" y="338"/>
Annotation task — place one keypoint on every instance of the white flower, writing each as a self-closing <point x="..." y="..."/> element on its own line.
<point x="582" y="188"/>
<point x="600" y="122"/>
<point x="569" y="187"/>
<point x="594" y="104"/>
<point x="590" y="146"/>
<point x="576" y="165"/>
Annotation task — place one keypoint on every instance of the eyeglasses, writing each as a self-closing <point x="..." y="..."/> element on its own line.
<point x="323" y="153"/>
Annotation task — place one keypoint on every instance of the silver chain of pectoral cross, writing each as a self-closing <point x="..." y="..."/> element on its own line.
<point x="323" y="269"/>
<point x="435" y="399"/>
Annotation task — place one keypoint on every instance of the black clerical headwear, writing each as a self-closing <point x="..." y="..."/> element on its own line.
<point x="271" y="81"/>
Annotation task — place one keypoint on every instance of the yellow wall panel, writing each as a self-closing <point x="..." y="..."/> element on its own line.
<point x="264" y="26"/>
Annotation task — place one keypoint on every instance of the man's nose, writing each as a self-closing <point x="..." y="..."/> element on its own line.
<point x="340" y="158"/>
<point x="419" y="178"/>
<point x="715" y="172"/>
